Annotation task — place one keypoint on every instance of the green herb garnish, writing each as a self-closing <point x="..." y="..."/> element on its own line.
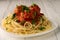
<point x="25" y="8"/>
<point x="13" y="16"/>
<point x="33" y="4"/>
<point x="41" y="19"/>
<point x="41" y="28"/>
<point x="35" y="13"/>
<point x="17" y="20"/>
<point x="33" y="21"/>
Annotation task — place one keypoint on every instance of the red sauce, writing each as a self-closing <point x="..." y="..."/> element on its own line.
<point x="28" y="14"/>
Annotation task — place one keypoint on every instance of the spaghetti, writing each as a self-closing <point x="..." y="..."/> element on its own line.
<point x="26" y="20"/>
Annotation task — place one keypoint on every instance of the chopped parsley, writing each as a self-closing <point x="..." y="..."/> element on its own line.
<point x="25" y="8"/>
<point x="17" y="20"/>
<point x="35" y="13"/>
<point x="33" y="4"/>
<point x="13" y="16"/>
<point x="41" y="28"/>
<point x="33" y="21"/>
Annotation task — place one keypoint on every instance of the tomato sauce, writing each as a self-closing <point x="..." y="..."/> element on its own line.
<point x="24" y="13"/>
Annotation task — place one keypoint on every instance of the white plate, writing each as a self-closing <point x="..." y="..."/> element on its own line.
<point x="54" y="25"/>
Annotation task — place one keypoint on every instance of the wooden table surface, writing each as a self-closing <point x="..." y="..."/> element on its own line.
<point x="49" y="7"/>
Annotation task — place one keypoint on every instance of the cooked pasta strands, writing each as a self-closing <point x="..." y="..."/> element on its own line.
<point x="16" y="25"/>
<point x="28" y="25"/>
<point x="28" y="28"/>
<point x="37" y="25"/>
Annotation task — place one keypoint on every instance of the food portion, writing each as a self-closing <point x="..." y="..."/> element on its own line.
<point x="26" y="20"/>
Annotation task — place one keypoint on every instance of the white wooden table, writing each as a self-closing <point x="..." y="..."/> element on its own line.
<point x="49" y="7"/>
